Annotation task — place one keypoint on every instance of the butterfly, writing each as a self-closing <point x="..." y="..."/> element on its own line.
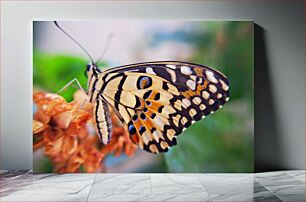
<point x="156" y="101"/>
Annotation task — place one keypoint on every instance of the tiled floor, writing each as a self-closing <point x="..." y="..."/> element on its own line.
<point x="272" y="186"/>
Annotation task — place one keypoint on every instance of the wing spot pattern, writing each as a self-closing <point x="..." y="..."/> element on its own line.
<point x="192" y="112"/>
<point x="210" y="76"/>
<point x="211" y="101"/>
<point x="196" y="100"/>
<point x="171" y="66"/>
<point x="142" y="129"/>
<point x="184" y="120"/>
<point x="205" y="94"/>
<point x="172" y="74"/>
<point x="132" y="129"/>
<point x="153" y="148"/>
<point x="186" y="103"/>
<point x="170" y="134"/>
<point x="186" y="70"/>
<point x="212" y="88"/>
<point x="178" y="105"/>
<point x="144" y="82"/>
<point x="224" y="85"/>
<point x="191" y="84"/>
<point x="149" y="70"/>
<point x="164" y="145"/>
<point x="202" y="107"/>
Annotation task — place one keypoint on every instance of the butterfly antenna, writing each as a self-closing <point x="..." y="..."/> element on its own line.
<point x="109" y="38"/>
<point x="57" y="25"/>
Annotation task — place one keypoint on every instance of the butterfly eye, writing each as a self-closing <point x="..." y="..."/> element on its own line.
<point x="88" y="67"/>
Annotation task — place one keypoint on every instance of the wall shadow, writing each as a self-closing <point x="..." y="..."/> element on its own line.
<point x="267" y="150"/>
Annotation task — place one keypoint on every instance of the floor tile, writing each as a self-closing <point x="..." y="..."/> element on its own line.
<point x="260" y="189"/>
<point x="113" y="184"/>
<point x="148" y="198"/>
<point x="292" y="197"/>
<point x="14" y="180"/>
<point x="48" y="184"/>
<point x="13" y="173"/>
<point x="231" y="197"/>
<point x="43" y="198"/>
<point x="282" y="183"/>
<point x="287" y="186"/>
<point x="266" y="197"/>
<point x="298" y="175"/>
<point x="176" y="184"/>
<point x="227" y="184"/>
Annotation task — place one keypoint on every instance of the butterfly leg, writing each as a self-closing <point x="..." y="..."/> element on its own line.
<point x="69" y="84"/>
<point x="75" y="80"/>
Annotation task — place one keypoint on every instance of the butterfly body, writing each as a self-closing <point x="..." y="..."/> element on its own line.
<point x="156" y="100"/>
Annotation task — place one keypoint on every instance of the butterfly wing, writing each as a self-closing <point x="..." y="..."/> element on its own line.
<point x="158" y="100"/>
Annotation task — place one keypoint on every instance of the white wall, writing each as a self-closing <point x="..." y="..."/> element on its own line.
<point x="283" y="71"/>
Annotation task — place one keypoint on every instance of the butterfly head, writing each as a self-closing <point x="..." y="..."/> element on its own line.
<point x="92" y="70"/>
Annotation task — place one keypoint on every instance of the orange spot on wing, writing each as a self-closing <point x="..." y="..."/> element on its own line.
<point x="152" y="96"/>
<point x="148" y="124"/>
<point x="154" y="106"/>
<point x="143" y="83"/>
<point x="191" y="93"/>
<point x="198" y="71"/>
<point x="188" y="93"/>
<point x="201" y="87"/>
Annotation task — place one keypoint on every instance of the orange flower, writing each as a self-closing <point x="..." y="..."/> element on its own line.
<point x="66" y="134"/>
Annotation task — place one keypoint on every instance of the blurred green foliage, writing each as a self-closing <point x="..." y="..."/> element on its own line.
<point x="222" y="142"/>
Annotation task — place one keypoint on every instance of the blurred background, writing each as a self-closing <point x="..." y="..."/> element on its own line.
<point x="222" y="142"/>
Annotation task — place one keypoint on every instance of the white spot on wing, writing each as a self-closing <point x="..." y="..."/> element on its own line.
<point x="186" y="102"/>
<point x="193" y="77"/>
<point x="191" y="84"/>
<point x="211" y="77"/>
<point x="212" y="88"/>
<point x="155" y="135"/>
<point x="192" y="112"/>
<point x="145" y="138"/>
<point x="211" y="101"/>
<point x="173" y="75"/>
<point x="171" y="66"/>
<point x="202" y="107"/>
<point x="205" y="94"/>
<point x="196" y="100"/>
<point x="149" y="70"/>
<point x="186" y="70"/>
<point x="159" y="122"/>
<point x="224" y="85"/>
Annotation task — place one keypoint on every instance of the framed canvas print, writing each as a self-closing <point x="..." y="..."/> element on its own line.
<point x="143" y="96"/>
